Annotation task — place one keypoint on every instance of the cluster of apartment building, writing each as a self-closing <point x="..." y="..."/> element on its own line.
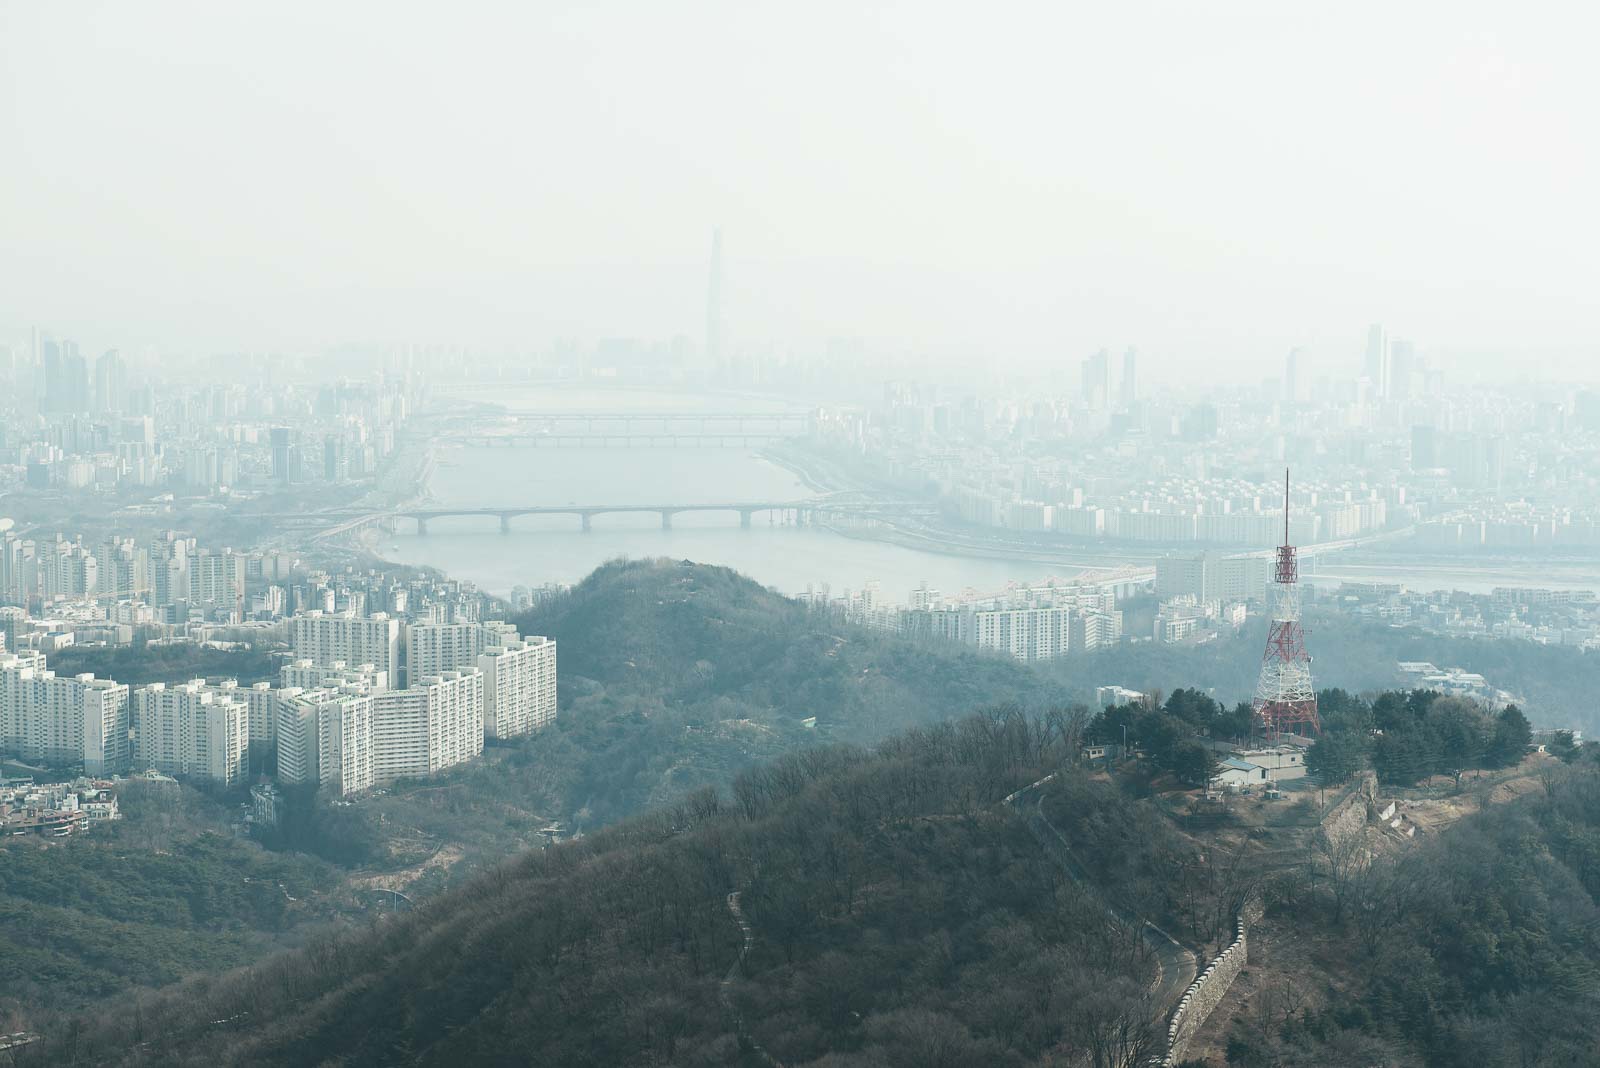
<point x="73" y="422"/>
<point x="366" y="701"/>
<point x="169" y="588"/>
<point x="1454" y="682"/>
<point x="1043" y="622"/>
<point x="349" y="730"/>
<point x="1545" y="616"/>
<point x="1151" y="461"/>
<point x="129" y="582"/>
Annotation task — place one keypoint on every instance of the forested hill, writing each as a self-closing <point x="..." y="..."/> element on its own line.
<point x="688" y="635"/>
<point x="675" y="675"/>
<point x="901" y="915"/>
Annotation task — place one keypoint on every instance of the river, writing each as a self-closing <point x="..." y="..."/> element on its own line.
<point x="541" y="549"/>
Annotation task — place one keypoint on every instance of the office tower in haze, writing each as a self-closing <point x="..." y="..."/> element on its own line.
<point x="714" y="304"/>
<point x="66" y="378"/>
<point x="1378" y="368"/>
<point x="1130" y="377"/>
<point x="1097" y="379"/>
<point x="110" y="380"/>
<point x="1291" y="376"/>
<point x="1402" y="367"/>
<point x="282" y="446"/>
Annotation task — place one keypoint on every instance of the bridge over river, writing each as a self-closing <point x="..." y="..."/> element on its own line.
<point x="802" y="512"/>
<point x="603" y="429"/>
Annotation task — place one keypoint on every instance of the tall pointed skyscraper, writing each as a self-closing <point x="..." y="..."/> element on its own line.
<point x="714" y="305"/>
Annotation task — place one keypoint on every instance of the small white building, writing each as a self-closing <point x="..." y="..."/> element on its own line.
<point x="1282" y="762"/>
<point x="1235" y="772"/>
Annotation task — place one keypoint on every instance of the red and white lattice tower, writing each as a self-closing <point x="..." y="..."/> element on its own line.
<point x="1285" y="700"/>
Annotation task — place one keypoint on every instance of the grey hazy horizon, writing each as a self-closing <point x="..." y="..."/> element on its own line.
<point x="1211" y="186"/>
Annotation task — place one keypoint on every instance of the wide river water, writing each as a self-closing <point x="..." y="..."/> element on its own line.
<point x="541" y="549"/>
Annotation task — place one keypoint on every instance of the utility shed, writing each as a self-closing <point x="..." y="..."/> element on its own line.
<point x="1235" y="771"/>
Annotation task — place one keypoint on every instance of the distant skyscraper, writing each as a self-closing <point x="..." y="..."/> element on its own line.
<point x="110" y="379"/>
<point x="66" y="378"/>
<point x="50" y="376"/>
<point x="282" y="444"/>
<point x="1130" y="377"/>
<point x="1097" y="379"/>
<point x="714" y="304"/>
<point x="1378" y="366"/>
<point x="1402" y="366"/>
<point x="1291" y="376"/>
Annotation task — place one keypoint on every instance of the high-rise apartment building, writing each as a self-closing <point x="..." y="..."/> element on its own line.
<point x="325" y="739"/>
<point x="66" y="378"/>
<point x="519" y="687"/>
<point x="261" y="704"/>
<point x="1130" y="378"/>
<point x="283" y="454"/>
<point x="193" y="730"/>
<point x="324" y="639"/>
<point x="1212" y="577"/>
<point x="434" y="648"/>
<point x="427" y="727"/>
<point x="347" y="739"/>
<point x="107" y="721"/>
<point x="62" y="720"/>
<point x="1024" y="633"/>
<point x="217" y="579"/>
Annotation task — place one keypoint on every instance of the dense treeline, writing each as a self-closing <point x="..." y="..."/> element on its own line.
<point x="1170" y="735"/>
<point x="903" y="916"/>
<point x="1557" y="682"/>
<point x="1479" y="946"/>
<point x="140" y="664"/>
<point x="144" y="903"/>
<point x="1409" y="736"/>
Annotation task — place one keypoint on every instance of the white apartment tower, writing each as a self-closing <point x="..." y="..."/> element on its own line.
<point x="427" y="727"/>
<point x="519" y="687"/>
<point x="261" y="704"/>
<point x="434" y="648"/>
<point x="325" y="738"/>
<point x="345" y="744"/>
<point x="191" y="729"/>
<point x="347" y="739"/>
<point x="62" y="720"/>
<point x="107" y="716"/>
<point x="325" y="638"/>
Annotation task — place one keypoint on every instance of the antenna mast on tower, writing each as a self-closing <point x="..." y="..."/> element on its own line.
<point x="1285" y="698"/>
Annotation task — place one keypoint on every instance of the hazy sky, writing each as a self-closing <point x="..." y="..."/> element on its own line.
<point x="1211" y="182"/>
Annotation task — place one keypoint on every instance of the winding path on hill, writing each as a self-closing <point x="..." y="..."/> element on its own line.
<point x="1176" y="965"/>
<point x="746" y="1039"/>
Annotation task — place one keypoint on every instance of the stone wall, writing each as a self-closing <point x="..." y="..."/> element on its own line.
<point x="1208" y="989"/>
<point x="1350" y="815"/>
